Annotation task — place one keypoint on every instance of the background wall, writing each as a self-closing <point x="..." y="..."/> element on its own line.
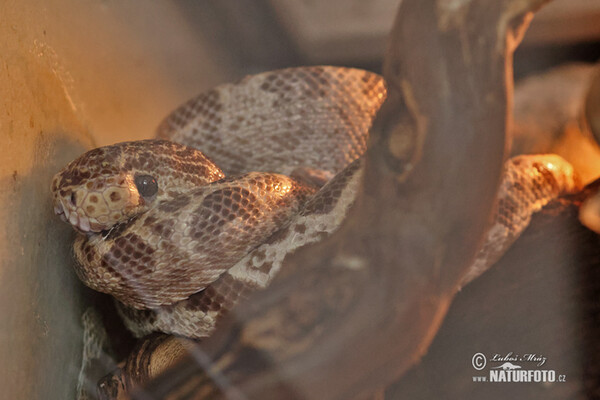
<point x="73" y="74"/>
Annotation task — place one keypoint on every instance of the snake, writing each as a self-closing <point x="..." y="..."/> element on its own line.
<point x="181" y="227"/>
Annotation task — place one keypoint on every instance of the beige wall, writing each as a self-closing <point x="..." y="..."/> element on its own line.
<point x="73" y="73"/>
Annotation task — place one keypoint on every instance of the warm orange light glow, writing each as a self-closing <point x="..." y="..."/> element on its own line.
<point x="282" y="188"/>
<point x="589" y="213"/>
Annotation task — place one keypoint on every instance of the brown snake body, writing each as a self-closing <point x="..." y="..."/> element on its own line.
<point x="179" y="257"/>
<point x="178" y="236"/>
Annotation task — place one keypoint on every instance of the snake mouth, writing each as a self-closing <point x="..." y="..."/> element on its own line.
<point x="80" y="223"/>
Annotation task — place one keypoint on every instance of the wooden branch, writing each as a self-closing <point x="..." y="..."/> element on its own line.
<point x="349" y="315"/>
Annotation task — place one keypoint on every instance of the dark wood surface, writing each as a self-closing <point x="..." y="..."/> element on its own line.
<point x="542" y="297"/>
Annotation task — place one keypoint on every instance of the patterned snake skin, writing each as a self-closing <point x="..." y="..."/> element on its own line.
<point x="178" y="236"/>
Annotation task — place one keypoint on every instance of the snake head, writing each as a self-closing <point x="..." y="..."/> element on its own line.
<point x="112" y="184"/>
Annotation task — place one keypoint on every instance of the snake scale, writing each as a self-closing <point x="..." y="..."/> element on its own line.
<point x="179" y="228"/>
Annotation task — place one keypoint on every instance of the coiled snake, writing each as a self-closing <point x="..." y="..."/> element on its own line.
<point x="180" y="228"/>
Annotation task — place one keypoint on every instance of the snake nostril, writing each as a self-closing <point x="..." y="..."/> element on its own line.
<point x="73" y="198"/>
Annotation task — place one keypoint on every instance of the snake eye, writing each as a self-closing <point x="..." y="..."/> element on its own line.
<point x="146" y="185"/>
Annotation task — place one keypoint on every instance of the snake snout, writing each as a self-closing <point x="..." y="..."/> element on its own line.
<point x="93" y="206"/>
<point x="58" y="210"/>
<point x="74" y="215"/>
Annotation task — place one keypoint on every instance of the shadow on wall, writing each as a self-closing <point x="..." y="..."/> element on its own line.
<point x="72" y="74"/>
<point x="40" y="296"/>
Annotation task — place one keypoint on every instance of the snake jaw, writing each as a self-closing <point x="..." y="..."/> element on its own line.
<point x="83" y="223"/>
<point x="75" y="218"/>
<point x="58" y="210"/>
